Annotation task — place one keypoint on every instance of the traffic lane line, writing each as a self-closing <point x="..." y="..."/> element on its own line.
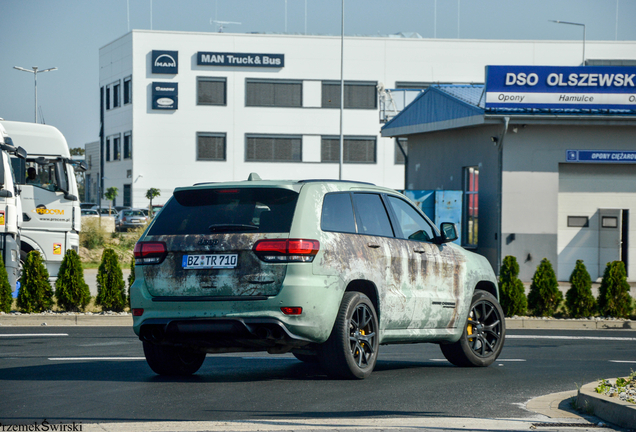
<point x="597" y="338"/>
<point x="33" y="334"/>
<point x="96" y="358"/>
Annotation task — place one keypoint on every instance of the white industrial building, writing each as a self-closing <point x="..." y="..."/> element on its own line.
<point x="179" y="108"/>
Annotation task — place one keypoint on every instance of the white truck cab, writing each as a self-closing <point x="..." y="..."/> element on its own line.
<point x="50" y="204"/>
<point x="10" y="208"/>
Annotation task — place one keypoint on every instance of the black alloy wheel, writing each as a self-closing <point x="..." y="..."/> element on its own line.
<point x="483" y="335"/>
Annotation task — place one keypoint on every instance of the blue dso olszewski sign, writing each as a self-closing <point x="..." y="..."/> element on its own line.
<point x="555" y="87"/>
<point x="604" y="156"/>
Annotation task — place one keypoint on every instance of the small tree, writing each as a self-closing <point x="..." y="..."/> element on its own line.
<point x="111" y="194"/>
<point x="111" y="289"/>
<point x="5" y="289"/>
<point x="544" y="298"/>
<point x="613" y="295"/>
<point x="513" y="296"/>
<point x="150" y="194"/>
<point x="579" y="299"/>
<point x="71" y="290"/>
<point x="36" y="294"/>
<point x="131" y="277"/>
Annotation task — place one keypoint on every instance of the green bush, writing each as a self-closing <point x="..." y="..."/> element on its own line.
<point x="36" y="294"/>
<point x="579" y="299"/>
<point x="111" y="290"/>
<point x="131" y="277"/>
<point x="5" y="289"/>
<point x="544" y="298"/>
<point x="513" y="296"/>
<point x="613" y="296"/>
<point x="93" y="235"/>
<point x="71" y="290"/>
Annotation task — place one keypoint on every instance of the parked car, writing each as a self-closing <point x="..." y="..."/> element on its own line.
<point x="87" y="205"/>
<point x="105" y="211"/>
<point x="89" y="212"/>
<point x="326" y="270"/>
<point x="131" y="218"/>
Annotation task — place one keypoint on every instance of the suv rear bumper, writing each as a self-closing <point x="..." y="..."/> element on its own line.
<point x="215" y="335"/>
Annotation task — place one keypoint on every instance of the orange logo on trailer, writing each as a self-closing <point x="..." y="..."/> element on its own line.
<point x="1" y="217"/>
<point x="44" y="211"/>
<point x="57" y="248"/>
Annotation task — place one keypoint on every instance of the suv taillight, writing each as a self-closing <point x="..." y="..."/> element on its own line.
<point x="150" y="253"/>
<point x="286" y="250"/>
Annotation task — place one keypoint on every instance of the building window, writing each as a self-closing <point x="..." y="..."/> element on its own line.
<point x="357" y="94"/>
<point x="128" y="195"/>
<point x="117" y="148"/>
<point x="471" y="205"/>
<point x="108" y="149"/>
<point x="578" y="221"/>
<point x="127" y="90"/>
<point x="211" y="91"/>
<point x="108" y="97"/>
<point x="273" y="148"/>
<point x="128" y="145"/>
<point x="273" y="93"/>
<point x="356" y="150"/>
<point x="116" y="94"/>
<point x="399" y="156"/>
<point x="423" y="85"/>
<point x="90" y="162"/>
<point x="210" y="146"/>
<point x="128" y="173"/>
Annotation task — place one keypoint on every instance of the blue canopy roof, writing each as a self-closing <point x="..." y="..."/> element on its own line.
<point x="439" y="107"/>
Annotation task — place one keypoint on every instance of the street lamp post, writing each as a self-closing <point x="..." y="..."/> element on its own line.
<point x="576" y="24"/>
<point x="35" y="73"/>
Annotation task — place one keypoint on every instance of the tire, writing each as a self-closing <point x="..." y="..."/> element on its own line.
<point x="166" y="360"/>
<point x="306" y="358"/>
<point x="483" y="336"/>
<point x="352" y="348"/>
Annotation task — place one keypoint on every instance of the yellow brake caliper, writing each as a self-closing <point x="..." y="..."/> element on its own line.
<point x="469" y="328"/>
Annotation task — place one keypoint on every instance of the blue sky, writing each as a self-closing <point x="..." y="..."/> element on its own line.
<point x="67" y="34"/>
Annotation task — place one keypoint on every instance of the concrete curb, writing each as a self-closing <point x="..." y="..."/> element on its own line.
<point x="54" y="319"/>
<point x="569" y="324"/>
<point x="36" y="320"/>
<point x="612" y="410"/>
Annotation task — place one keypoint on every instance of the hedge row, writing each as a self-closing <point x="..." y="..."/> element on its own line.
<point x="71" y="291"/>
<point x="545" y="298"/>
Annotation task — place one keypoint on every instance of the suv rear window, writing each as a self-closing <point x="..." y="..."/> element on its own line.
<point x="207" y="211"/>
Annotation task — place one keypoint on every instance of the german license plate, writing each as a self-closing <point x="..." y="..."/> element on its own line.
<point x="211" y="261"/>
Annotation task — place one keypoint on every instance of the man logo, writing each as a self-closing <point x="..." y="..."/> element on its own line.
<point x="165" y="60"/>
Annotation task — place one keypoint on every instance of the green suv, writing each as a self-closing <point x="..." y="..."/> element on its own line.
<point x="327" y="270"/>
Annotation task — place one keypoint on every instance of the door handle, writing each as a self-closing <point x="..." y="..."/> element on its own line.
<point x="373" y="245"/>
<point x="419" y="251"/>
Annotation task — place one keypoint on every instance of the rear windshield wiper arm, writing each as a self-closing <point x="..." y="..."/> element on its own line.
<point x="232" y="227"/>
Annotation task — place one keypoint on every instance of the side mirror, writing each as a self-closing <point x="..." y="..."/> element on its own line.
<point x="83" y="166"/>
<point x="449" y="232"/>
<point x="21" y="153"/>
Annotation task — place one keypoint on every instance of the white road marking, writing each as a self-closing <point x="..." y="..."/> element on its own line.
<point x="498" y="360"/>
<point x="268" y="358"/>
<point x="95" y="358"/>
<point x="622" y="361"/>
<point x="571" y="337"/>
<point x="33" y="334"/>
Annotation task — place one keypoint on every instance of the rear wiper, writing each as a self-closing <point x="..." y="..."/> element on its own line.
<point x="232" y="227"/>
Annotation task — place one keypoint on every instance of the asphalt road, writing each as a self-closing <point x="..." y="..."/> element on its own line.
<point x="66" y="374"/>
